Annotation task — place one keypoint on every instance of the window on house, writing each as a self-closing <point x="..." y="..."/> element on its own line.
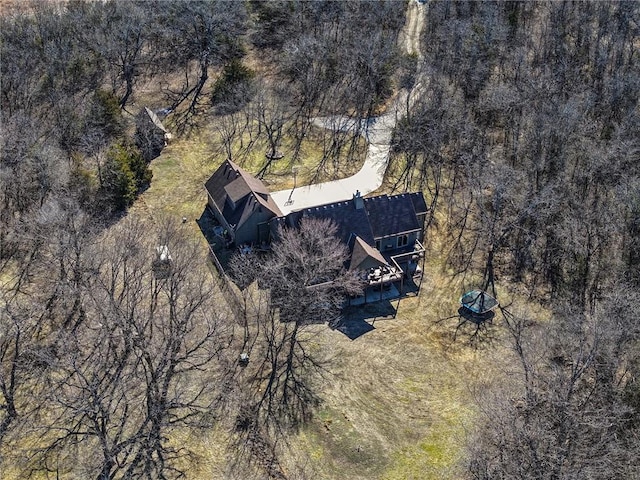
<point x="378" y="245"/>
<point x="403" y="240"/>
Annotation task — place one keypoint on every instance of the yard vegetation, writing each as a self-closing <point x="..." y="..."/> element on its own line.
<point x="120" y="355"/>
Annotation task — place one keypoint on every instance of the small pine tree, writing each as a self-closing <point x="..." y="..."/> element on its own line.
<point x="106" y="114"/>
<point x="232" y="89"/>
<point x="125" y="175"/>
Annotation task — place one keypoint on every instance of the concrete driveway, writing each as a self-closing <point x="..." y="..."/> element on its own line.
<point x="376" y="130"/>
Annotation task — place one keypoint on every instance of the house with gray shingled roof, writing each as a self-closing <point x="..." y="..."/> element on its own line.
<point x="387" y="223"/>
<point x="383" y="233"/>
<point x="241" y="203"/>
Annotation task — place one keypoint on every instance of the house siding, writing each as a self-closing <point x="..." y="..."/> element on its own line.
<point x="421" y="218"/>
<point x="249" y="230"/>
<point x="389" y="244"/>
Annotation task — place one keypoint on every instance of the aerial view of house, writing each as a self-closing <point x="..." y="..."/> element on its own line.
<point x="416" y="255"/>
<point x="382" y="232"/>
<point x="241" y="203"/>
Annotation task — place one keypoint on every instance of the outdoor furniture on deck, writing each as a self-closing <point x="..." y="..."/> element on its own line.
<point x="383" y="275"/>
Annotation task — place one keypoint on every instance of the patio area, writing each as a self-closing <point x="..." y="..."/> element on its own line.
<point x="219" y="246"/>
<point x="376" y="293"/>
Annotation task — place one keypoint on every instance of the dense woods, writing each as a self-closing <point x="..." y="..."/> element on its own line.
<point x="531" y="115"/>
<point x="528" y="142"/>
<point x="524" y="137"/>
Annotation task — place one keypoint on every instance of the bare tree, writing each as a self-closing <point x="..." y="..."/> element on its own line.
<point x="303" y="282"/>
<point x="272" y="113"/>
<point x="12" y="341"/>
<point x="140" y="364"/>
<point x="200" y="33"/>
<point x="564" y="415"/>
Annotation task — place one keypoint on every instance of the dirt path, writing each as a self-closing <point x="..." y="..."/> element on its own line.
<point x="377" y="131"/>
<point x="413" y="28"/>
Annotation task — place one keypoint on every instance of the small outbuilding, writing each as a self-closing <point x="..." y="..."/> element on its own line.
<point x="162" y="263"/>
<point x="151" y="136"/>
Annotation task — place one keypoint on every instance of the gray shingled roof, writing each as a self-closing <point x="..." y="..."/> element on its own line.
<point x="237" y="189"/>
<point x="347" y="218"/>
<point x="419" y="205"/>
<point x="154" y="119"/>
<point x="382" y="216"/>
<point x="246" y="192"/>
<point x="365" y="256"/>
<point x="391" y="215"/>
<point x="238" y="194"/>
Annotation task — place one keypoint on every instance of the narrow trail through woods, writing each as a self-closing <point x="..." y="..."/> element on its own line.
<point x="413" y="28"/>
<point x="377" y="131"/>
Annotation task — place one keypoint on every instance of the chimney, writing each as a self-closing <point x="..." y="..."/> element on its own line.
<point x="358" y="201"/>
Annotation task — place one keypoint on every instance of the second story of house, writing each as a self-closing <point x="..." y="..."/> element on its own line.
<point x="373" y="228"/>
<point x="397" y="221"/>
<point x="241" y="203"/>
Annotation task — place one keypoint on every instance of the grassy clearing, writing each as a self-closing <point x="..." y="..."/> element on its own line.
<point x="208" y="453"/>
<point x="399" y="401"/>
<point x="179" y="173"/>
<point x="177" y="188"/>
<point x="311" y="166"/>
<point x="403" y="398"/>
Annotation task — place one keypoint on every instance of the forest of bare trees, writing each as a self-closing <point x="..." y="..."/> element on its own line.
<point x="528" y="140"/>
<point x="524" y="139"/>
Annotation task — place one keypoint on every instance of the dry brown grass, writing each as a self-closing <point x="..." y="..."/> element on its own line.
<point x="398" y="401"/>
<point x="179" y="173"/>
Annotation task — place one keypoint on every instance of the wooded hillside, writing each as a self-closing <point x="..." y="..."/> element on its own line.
<point x="524" y="137"/>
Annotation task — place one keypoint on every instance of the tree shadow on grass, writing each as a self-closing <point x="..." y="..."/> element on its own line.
<point x="358" y="320"/>
<point x="475" y="327"/>
<point x="354" y="328"/>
